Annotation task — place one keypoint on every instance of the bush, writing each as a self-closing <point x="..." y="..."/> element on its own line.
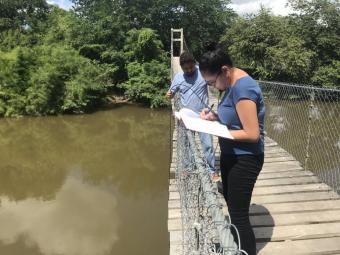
<point x="48" y="80"/>
<point x="143" y="45"/>
<point x="148" y="83"/>
<point x="328" y="76"/>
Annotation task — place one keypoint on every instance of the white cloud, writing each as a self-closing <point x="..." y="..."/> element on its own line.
<point x="278" y="7"/>
<point x="65" y="4"/>
<point x="82" y="220"/>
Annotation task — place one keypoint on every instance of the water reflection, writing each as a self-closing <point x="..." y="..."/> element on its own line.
<point x="66" y="182"/>
<point x="278" y="122"/>
<point x="314" y="113"/>
<point x="82" y="220"/>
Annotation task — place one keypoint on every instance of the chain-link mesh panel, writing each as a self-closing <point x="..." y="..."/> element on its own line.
<point x="305" y="121"/>
<point x="205" y="228"/>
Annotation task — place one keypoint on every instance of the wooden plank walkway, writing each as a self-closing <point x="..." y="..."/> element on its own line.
<point x="292" y="212"/>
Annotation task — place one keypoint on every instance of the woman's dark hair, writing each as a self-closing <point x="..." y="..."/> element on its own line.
<point x="213" y="59"/>
<point x="186" y="58"/>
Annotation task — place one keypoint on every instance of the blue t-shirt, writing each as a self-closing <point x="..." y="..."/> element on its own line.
<point x="193" y="90"/>
<point x="244" y="88"/>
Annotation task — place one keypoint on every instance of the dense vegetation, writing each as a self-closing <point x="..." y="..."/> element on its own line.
<point x="303" y="47"/>
<point x="55" y="61"/>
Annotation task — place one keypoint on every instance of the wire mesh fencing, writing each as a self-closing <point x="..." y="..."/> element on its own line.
<point x="305" y="121"/>
<point x="205" y="229"/>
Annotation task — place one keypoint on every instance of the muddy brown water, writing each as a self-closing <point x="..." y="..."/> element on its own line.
<point x="93" y="184"/>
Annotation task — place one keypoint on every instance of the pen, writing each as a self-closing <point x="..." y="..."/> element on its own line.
<point x="210" y="109"/>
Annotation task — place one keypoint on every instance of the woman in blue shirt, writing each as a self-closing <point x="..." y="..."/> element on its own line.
<point x="242" y="110"/>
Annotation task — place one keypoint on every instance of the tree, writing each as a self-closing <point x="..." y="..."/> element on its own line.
<point x="22" y="14"/>
<point x="289" y="61"/>
<point x="317" y="21"/>
<point x="328" y="76"/>
<point x="249" y="39"/>
<point x="202" y="19"/>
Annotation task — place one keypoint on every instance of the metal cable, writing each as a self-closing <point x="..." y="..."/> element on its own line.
<point x="305" y="121"/>
<point x="206" y="230"/>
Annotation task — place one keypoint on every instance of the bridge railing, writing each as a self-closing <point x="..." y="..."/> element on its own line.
<point x="205" y="229"/>
<point x="305" y="121"/>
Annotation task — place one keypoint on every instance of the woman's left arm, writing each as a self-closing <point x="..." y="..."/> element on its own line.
<point x="247" y="112"/>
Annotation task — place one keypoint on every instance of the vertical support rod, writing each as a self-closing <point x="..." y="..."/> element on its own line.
<point x="310" y="116"/>
<point x="182" y="37"/>
<point x="172" y="52"/>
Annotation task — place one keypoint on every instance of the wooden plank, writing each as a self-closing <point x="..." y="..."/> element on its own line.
<point x="274" y="151"/>
<point x="298" y="232"/>
<point x="287" y="174"/>
<point x="279" y="159"/>
<point x="307" y="196"/>
<point x="287" y="181"/>
<point x="277" y="154"/>
<point x="290" y="189"/>
<point x="281" y="233"/>
<point x="174" y="204"/>
<point x="302" y="247"/>
<point x="273" y="157"/>
<point x="176" y="249"/>
<point x="295" y="218"/>
<point x="174" y="213"/>
<point x="271" y="169"/>
<point x="281" y="165"/>
<point x="174" y="195"/>
<point x="176" y="236"/>
<point x="174" y="224"/>
<point x="294" y="207"/>
<point x="271" y="190"/>
<point x="279" y="219"/>
<point x="270" y="147"/>
<point x="273" y="209"/>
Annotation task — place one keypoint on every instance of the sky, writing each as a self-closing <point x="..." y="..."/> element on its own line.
<point x="240" y="6"/>
<point x="65" y="4"/>
<point x="252" y="6"/>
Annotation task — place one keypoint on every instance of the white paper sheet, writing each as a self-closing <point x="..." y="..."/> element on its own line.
<point x="193" y="122"/>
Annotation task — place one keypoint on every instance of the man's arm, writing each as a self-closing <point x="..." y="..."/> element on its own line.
<point x="175" y="86"/>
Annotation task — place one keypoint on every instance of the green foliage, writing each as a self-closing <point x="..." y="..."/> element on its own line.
<point x="289" y="48"/>
<point x="54" y="61"/>
<point x="48" y="80"/>
<point x="289" y="60"/>
<point x="92" y="51"/>
<point x="57" y="26"/>
<point x="114" y="63"/>
<point x="143" y="45"/>
<point x="21" y="13"/>
<point x="317" y="21"/>
<point x="328" y="76"/>
<point x="202" y="19"/>
<point x="147" y="83"/>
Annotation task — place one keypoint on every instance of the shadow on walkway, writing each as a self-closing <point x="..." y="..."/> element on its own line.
<point x="263" y="224"/>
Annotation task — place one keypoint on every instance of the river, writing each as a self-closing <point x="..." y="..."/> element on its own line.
<point x="92" y="184"/>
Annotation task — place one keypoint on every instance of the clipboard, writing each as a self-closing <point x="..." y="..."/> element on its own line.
<point x="193" y="122"/>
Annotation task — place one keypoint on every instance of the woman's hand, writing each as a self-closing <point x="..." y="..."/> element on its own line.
<point x="206" y="114"/>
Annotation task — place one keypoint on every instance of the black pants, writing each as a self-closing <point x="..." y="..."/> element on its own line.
<point x="239" y="174"/>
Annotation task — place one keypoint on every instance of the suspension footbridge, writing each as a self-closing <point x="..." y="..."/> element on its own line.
<point x="295" y="208"/>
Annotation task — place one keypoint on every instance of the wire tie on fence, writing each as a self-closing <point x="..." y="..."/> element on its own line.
<point x="218" y="205"/>
<point x="197" y="226"/>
